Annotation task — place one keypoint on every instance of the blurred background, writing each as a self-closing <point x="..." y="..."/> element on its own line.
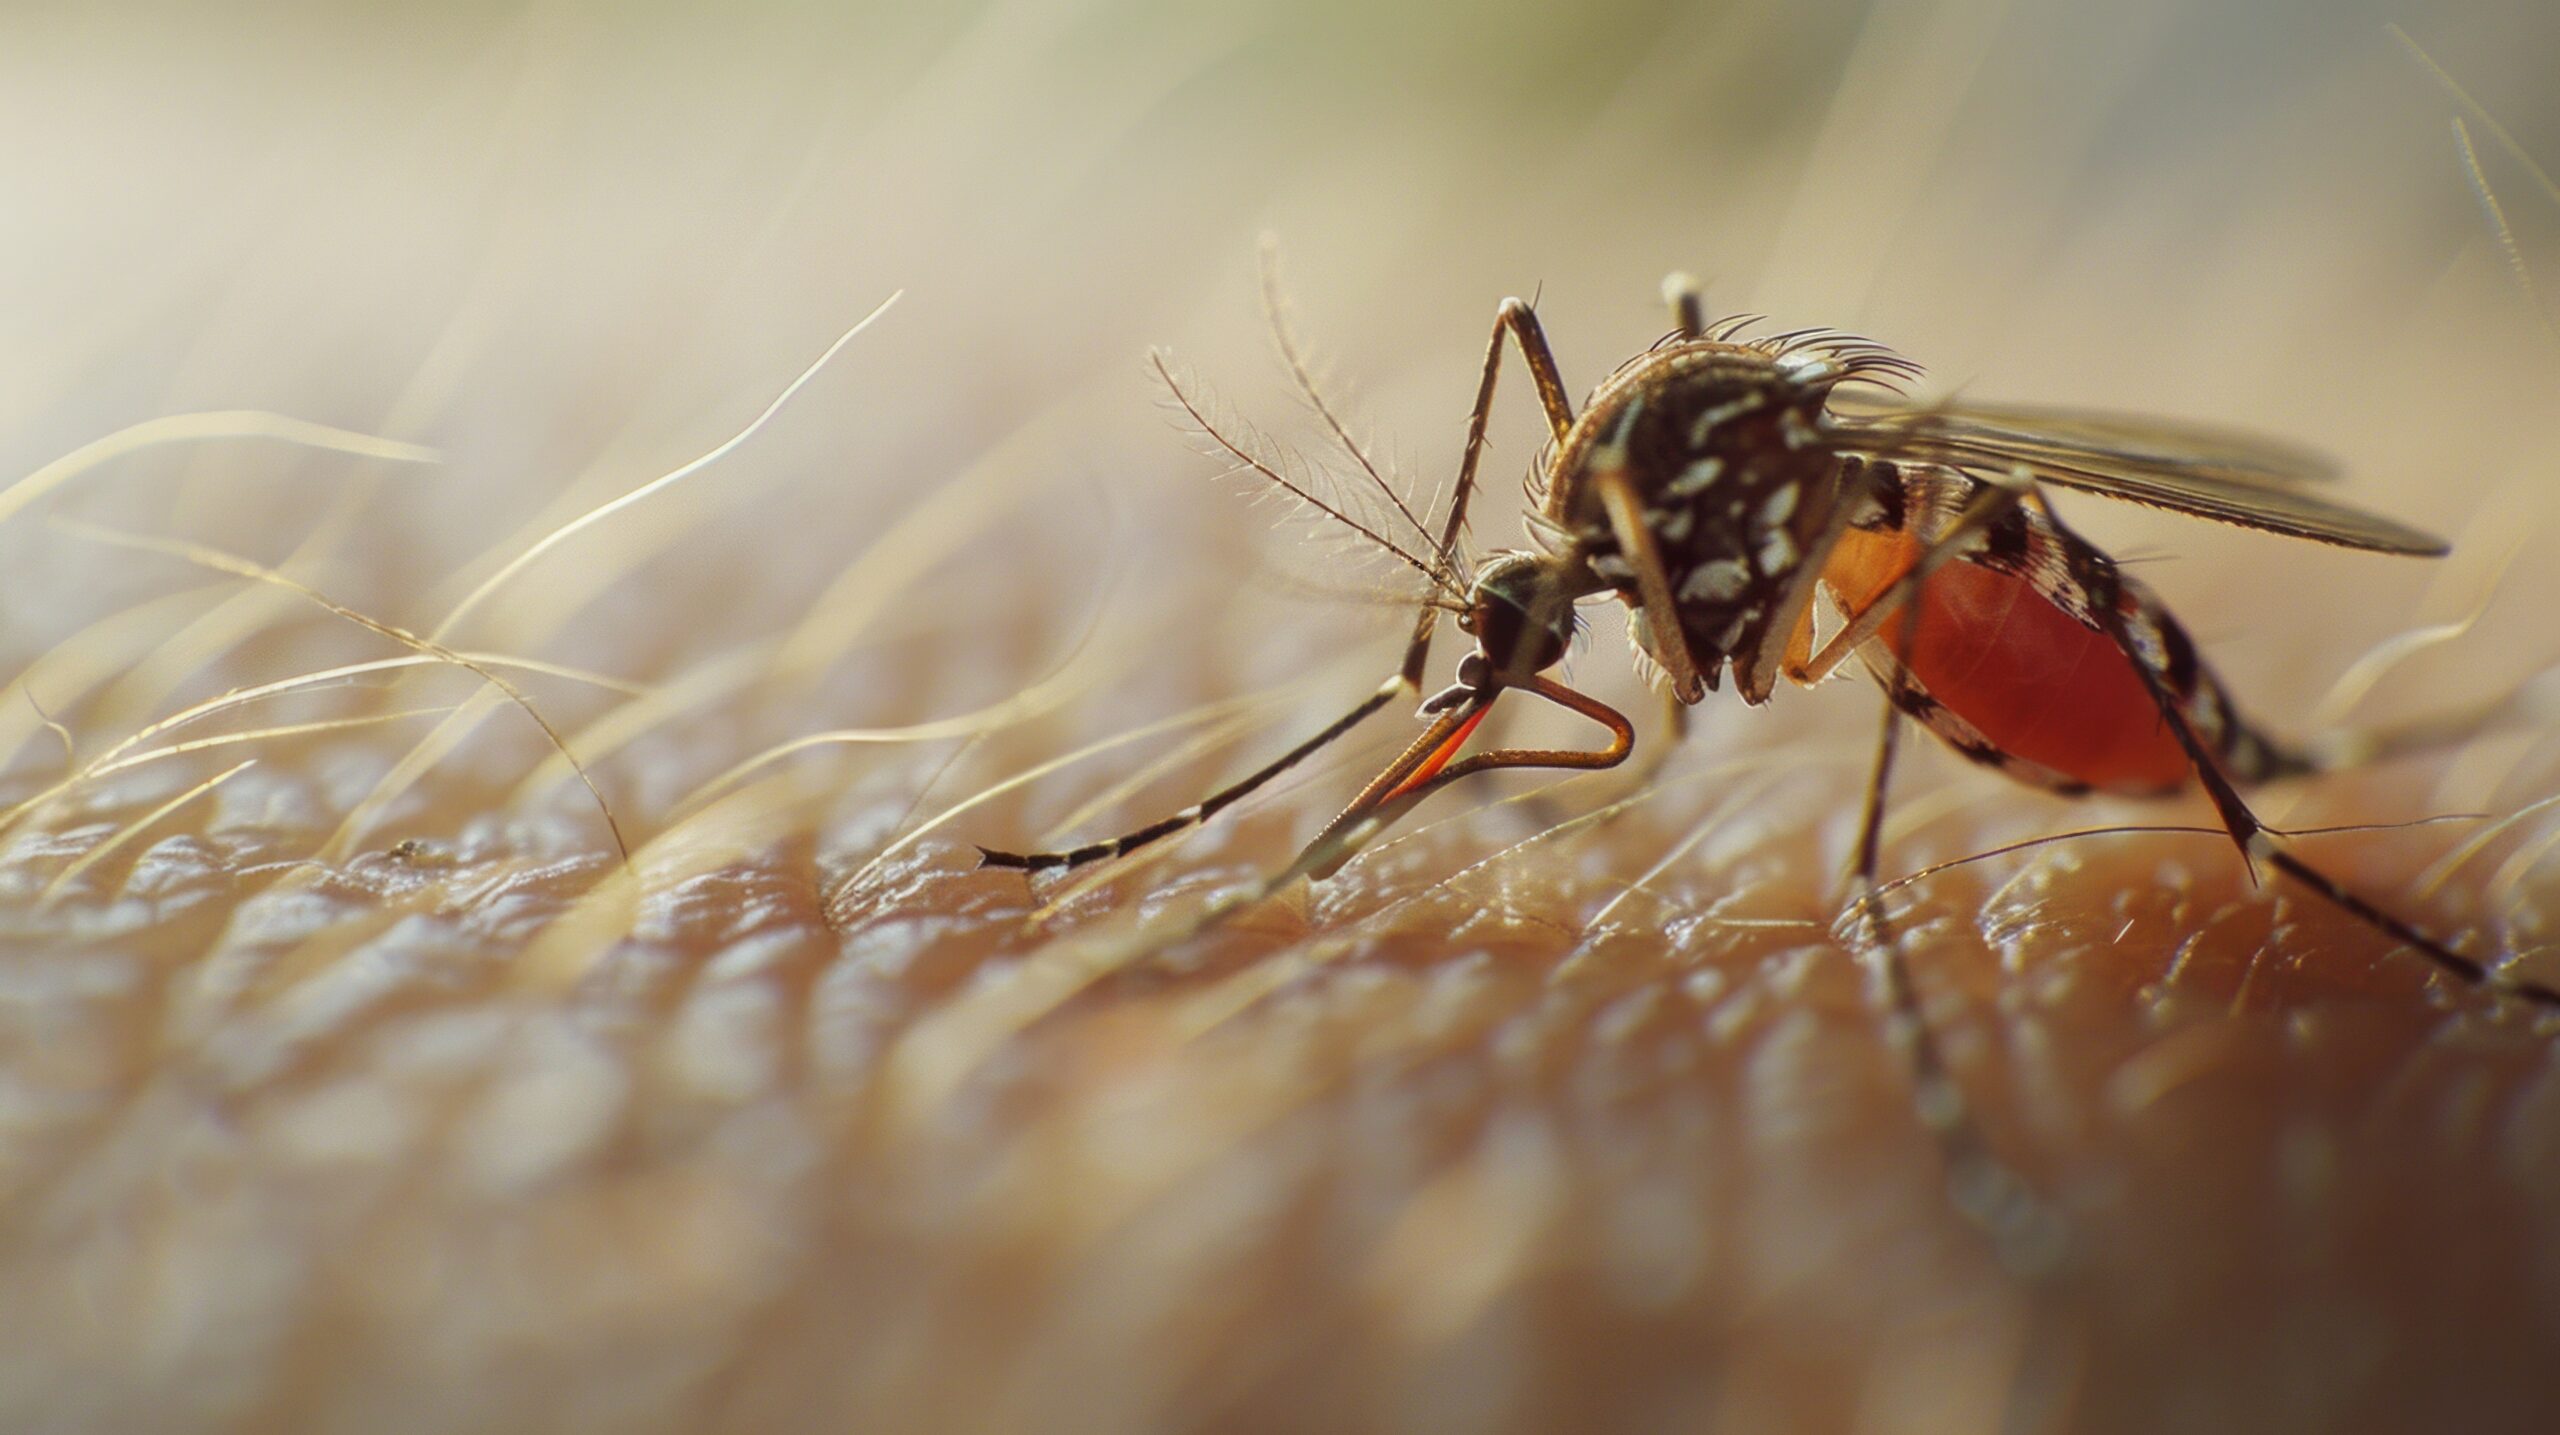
<point x="407" y="1078"/>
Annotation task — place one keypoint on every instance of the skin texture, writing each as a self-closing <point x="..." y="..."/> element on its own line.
<point x="372" y="1087"/>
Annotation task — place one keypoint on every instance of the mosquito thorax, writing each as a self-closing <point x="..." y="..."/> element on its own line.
<point x="1724" y="447"/>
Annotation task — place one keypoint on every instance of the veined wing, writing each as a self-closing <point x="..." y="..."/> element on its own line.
<point x="2221" y="474"/>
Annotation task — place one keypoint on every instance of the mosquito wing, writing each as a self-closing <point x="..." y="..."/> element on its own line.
<point x="2212" y="472"/>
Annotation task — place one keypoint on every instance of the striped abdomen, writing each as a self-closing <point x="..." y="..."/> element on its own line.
<point x="2006" y="661"/>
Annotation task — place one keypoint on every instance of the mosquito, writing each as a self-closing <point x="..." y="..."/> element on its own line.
<point x="1721" y="484"/>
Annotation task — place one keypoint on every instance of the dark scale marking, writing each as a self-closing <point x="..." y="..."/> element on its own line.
<point x="2182" y="668"/>
<point x="2244" y="751"/>
<point x="2023" y="543"/>
<point x="1884" y="484"/>
<point x="1728" y="439"/>
<point x="2005" y="546"/>
<point x="1981" y="751"/>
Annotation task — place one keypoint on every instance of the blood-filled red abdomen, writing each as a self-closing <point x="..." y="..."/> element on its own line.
<point x="2032" y="680"/>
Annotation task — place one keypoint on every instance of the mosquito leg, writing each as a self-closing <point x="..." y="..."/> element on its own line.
<point x="1632" y="777"/>
<point x="1867" y="861"/>
<point x="1425" y="768"/>
<point x="1939" y="1100"/>
<point x="1207" y="807"/>
<point x="1979" y="1183"/>
<point x="1622" y="739"/>
<point x="1521" y="322"/>
<point x="1688" y="307"/>
<point x="1981" y="1186"/>
<point x="1385" y="798"/>
<point x="1935" y="1094"/>
<point x="2255" y="842"/>
<point x="1786" y="644"/>
<point x="1515" y="321"/>
<point x="1985" y="508"/>
<point x="1653" y="586"/>
<point x="1407" y="683"/>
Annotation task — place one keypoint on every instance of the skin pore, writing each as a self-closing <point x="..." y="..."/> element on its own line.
<point x="371" y="1086"/>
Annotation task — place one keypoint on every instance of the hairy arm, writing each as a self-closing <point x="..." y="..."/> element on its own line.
<point x="370" y="1086"/>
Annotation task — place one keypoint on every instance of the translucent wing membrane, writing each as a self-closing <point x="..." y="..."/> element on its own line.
<point x="2170" y="441"/>
<point x="2211" y="472"/>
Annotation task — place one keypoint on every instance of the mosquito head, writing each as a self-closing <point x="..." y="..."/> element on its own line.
<point x="1520" y="613"/>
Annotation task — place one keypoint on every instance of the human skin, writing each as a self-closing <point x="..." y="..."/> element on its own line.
<point x="474" y="1135"/>
<point x="374" y="1087"/>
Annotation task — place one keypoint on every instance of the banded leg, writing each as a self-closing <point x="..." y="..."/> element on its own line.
<point x="1514" y="320"/>
<point x="2150" y="659"/>
<point x="1215" y="802"/>
<point x="2255" y="841"/>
